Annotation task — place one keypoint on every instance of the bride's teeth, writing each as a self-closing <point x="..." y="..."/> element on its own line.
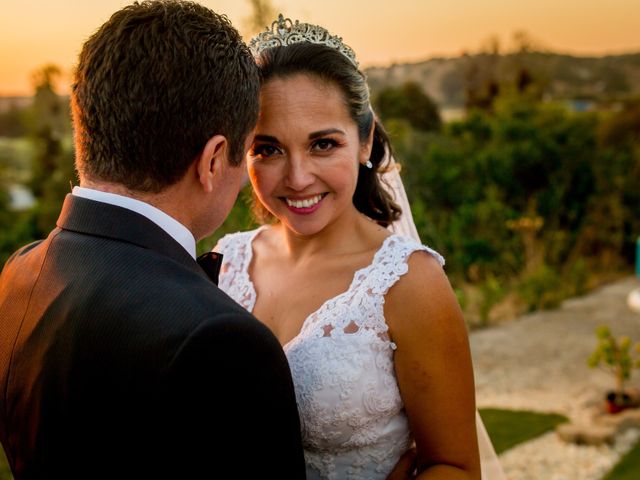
<point x="309" y="202"/>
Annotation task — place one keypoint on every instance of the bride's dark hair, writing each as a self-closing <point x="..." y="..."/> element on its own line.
<point x="328" y="64"/>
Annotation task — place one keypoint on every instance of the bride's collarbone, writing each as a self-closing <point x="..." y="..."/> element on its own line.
<point x="289" y="292"/>
<point x="294" y="298"/>
<point x="303" y="285"/>
<point x="285" y="299"/>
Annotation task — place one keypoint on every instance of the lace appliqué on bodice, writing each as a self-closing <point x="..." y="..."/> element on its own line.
<point x="352" y="415"/>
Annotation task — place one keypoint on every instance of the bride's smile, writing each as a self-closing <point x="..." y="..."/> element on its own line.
<point x="306" y="205"/>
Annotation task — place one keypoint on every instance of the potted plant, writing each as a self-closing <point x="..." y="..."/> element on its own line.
<point x="617" y="356"/>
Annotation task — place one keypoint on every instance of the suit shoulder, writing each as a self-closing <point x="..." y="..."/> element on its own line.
<point x="23" y="251"/>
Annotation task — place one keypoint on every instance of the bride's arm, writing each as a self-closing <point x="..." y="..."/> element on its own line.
<point x="434" y="370"/>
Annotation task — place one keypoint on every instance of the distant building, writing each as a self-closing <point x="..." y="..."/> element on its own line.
<point x="6" y="103"/>
<point x="20" y="198"/>
<point x="581" y="105"/>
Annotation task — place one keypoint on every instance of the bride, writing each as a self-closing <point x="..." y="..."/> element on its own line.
<point x="374" y="336"/>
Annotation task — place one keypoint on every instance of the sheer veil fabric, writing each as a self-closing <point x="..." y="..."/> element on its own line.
<point x="490" y="465"/>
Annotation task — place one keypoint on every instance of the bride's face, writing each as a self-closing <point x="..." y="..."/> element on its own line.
<point x="303" y="164"/>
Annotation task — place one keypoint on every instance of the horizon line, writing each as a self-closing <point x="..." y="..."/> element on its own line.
<point x="431" y="57"/>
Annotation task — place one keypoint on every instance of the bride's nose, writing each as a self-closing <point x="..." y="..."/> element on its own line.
<point x="299" y="174"/>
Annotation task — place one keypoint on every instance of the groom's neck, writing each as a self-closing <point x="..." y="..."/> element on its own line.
<point x="170" y="200"/>
<point x="154" y="199"/>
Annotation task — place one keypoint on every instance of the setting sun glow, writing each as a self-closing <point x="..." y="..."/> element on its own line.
<point x="34" y="33"/>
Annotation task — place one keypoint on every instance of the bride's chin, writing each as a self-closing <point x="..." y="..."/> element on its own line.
<point x="301" y="229"/>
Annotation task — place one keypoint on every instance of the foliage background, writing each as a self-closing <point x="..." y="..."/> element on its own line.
<point x="532" y="191"/>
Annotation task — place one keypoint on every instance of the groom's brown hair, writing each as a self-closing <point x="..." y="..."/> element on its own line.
<point x="152" y="85"/>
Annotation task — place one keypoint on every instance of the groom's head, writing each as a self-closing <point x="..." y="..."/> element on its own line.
<point x="153" y="85"/>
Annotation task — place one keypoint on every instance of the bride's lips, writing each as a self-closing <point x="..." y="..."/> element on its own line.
<point x="304" y="205"/>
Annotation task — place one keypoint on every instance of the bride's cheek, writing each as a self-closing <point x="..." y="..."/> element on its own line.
<point x="253" y="173"/>
<point x="268" y="174"/>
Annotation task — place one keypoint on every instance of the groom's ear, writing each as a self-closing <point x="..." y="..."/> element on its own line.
<point x="212" y="160"/>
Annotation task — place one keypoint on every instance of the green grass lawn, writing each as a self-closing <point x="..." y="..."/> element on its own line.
<point x="508" y="428"/>
<point x="5" y="471"/>
<point x="628" y="468"/>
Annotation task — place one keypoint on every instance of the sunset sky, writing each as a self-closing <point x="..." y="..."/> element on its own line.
<point x="36" y="32"/>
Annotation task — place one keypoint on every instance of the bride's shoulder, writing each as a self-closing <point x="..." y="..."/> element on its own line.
<point x="424" y="292"/>
<point x="236" y="239"/>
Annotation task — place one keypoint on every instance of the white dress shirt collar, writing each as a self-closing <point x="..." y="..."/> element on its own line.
<point x="178" y="231"/>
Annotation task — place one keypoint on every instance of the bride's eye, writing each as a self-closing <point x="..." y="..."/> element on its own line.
<point x="263" y="150"/>
<point x="324" y="145"/>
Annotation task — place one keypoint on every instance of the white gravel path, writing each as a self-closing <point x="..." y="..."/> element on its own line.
<point x="539" y="362"/>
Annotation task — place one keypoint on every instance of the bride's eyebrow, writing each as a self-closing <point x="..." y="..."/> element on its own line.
<point x="266" y="138"/>
<point x="322" y="133"/>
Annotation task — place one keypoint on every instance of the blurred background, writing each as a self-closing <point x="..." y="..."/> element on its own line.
<point x="517" y="125"/>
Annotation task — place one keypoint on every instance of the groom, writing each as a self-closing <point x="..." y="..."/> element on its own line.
<point x="119" y="356"/>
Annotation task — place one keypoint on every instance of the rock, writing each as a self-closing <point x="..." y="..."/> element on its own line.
<point x="584" y="434"/>
<point x="630" y="418"/>
<point x="549" y="458"/>
<point x="633" y="300"/>
<point x="621" y="421"/>
<point x="569" y="432"/>
<point x="599" y="434"/>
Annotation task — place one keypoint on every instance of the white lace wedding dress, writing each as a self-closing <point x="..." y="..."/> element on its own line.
<point x="353" y="421"/>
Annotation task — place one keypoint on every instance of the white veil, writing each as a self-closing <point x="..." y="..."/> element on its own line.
<point x="489" y="463"/>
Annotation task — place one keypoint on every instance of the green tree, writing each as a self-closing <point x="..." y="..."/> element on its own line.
<point x="12" y="122"/>
<point x="4" y="190"/>
<point x="16" y="228"/>
<point x="52" y="167"/>
<point x="239" y="219"/>
<point x="409" y="102"/>
<point x="617" y="355"/>
<point x="474" y="180"/>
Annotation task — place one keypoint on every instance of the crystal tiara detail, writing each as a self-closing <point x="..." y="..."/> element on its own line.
<point x="284" y="32"/>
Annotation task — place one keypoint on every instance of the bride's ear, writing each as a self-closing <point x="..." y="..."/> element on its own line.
<point x="212" y="161"/>
<point x="367" y="146"/>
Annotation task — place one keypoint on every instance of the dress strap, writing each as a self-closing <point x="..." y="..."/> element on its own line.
<point x="234" y="274"/>
<point x="391" y="262"/>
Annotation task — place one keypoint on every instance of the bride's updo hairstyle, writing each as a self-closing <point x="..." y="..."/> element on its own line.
<point x="329" y="65"/>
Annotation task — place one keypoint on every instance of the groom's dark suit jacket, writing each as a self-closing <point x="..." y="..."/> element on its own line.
<point x="119" y="358"/>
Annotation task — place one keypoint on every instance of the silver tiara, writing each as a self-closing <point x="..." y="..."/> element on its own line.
<point x="284" y="32"/>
